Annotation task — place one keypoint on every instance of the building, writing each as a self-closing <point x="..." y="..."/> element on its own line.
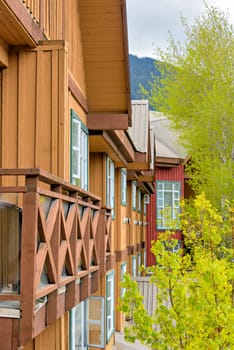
<point x="73" y="181"/>
<point x="170" y="183"/>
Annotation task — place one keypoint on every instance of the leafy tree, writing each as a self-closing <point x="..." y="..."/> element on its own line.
<point x="196" y="91"/>
<point x="195" y="304"/>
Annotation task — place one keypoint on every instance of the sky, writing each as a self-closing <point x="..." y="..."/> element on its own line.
<point x="150" y="21"/>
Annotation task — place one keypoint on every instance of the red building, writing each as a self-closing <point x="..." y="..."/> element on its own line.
<point x="164" y="205"/>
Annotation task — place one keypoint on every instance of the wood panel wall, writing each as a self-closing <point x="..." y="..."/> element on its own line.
<point x="35" y="118"/>
<point x="53" y="337"/>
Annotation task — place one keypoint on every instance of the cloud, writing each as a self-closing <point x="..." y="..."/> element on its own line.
<point x="150" y="21"/>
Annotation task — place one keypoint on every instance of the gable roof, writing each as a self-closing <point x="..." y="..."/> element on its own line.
<point x="166" y="138"/>
<point x="139" y="132"/>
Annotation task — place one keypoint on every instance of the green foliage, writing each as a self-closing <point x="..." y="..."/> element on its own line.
<point x="195" y="294"/>
<point x="198" y="96"/>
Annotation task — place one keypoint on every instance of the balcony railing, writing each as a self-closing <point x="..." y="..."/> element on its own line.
<point x="48" y="14"/>
<point x="57" y="239"/>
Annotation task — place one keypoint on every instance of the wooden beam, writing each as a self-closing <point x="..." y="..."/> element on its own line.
<point x="18" y="10"/>
<point x="3" y="55"/>
<point x="167" y="162"/>
<point x="107" y="121"/>
<point x="77" y="93"/>
<point x="123" y="143"/>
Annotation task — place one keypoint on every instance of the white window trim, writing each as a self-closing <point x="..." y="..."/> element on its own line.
<point x="139" y="201"/>
<point x="85" y="323"/>
<point x="110" y="191"/>
<point x="80" y="177"/>
<point x="160" y="208"/>
<point x="123" y="270"/>
<point x="134" y="266"/>
<point x="123" y="186"/>
<point x="110" y="278"/>
<point x="134" y="195"/>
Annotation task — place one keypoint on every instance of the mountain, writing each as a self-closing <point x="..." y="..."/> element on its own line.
<point x="141" y="69"/>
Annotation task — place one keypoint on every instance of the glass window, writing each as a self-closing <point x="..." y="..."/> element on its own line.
<point x="134" y="195"/>
<point x="134" y="266"/>
<point x="123" y="186"/>
<point x="168" y="195"/>
<point x="77" y="327"/>
<point x="139" y="201"/>
<point x="110" y="302"/>
<point x="87" y="324"/>
<point x="122" y="272"/>
<point x="110" y="192"/>
<point x="79" y="152"/>
<point x="138" y="264"/>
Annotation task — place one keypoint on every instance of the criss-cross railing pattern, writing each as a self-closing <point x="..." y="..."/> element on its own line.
<point x="65" y="239"/>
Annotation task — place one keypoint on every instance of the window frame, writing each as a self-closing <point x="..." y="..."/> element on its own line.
<point x="134" y="189"/>
<point x="123" y="270"/>
<point x="134" y="266"/>
<point x="110" y="184"/>
<point x="123" y="186"/>
<point x="160" y="207"/>
<point x="139" y="201"/>
<point x="110" y="278"/>
<point x="83" y="325"/>
<point x="81" y="148"/>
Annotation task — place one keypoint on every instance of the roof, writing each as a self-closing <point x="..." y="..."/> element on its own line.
<point x="139" y="132"/>
<point x="166" y="139"/>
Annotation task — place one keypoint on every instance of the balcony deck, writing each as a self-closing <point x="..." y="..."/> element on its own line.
<point x="65" y="246"/>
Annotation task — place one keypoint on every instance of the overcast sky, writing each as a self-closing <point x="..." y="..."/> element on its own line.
<point x="150" y="21"/>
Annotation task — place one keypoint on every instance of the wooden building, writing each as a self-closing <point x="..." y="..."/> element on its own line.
<point x="170" y="184"/>
<point x="69" y="171"/>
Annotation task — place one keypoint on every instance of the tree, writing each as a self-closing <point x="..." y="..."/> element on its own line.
<point x="196" y="91"/>
<point x="195" y="304"/>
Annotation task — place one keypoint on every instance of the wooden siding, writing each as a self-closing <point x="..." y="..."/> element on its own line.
<point x="34" y="106"/>
<point x="73" y="37"/>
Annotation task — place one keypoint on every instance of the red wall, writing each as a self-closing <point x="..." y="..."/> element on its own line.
<point x="164" y="174"/>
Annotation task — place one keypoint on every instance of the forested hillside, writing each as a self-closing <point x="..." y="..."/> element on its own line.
<point x="141" y="70"/>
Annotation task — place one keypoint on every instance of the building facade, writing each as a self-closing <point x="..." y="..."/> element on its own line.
<point x="73" y="180"/>
<point x="170" y="184"/>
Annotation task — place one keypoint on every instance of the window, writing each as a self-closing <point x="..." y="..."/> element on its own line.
<point x="123" y="186"/>
<point x="168" y="199"/>
<point x="122" y="272"/>
<point x="134" y="266"/>
<point x="110" y="191"/>
<point x="110" y="302"/>
<point x="87" y="324"/>
<point x="79" y="152"/>
<point x="139" y="201"/>
<point x="138" y="264"/>
<point x="134" y="195"/>
<point x="146" y="201"/>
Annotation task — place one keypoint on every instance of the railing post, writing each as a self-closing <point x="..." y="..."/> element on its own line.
<point x="28" y="258"/>
<point x="100" y="241"/>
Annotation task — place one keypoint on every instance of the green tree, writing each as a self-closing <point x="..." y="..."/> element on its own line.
<point x="196" y="91"/>
<point x="195" y="305"/>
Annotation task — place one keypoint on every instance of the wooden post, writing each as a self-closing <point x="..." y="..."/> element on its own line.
<point x="28" y="257"/>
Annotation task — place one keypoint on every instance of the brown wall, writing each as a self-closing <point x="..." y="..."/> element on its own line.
<point x="34" y="109"/>
<point x="53" y="337"/>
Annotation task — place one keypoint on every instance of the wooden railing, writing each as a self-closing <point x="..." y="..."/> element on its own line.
<point x="48" y="14"/>
<point x="65" y="245"/>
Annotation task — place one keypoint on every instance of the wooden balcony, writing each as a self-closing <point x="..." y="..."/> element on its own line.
<point x="64" y="246"/>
